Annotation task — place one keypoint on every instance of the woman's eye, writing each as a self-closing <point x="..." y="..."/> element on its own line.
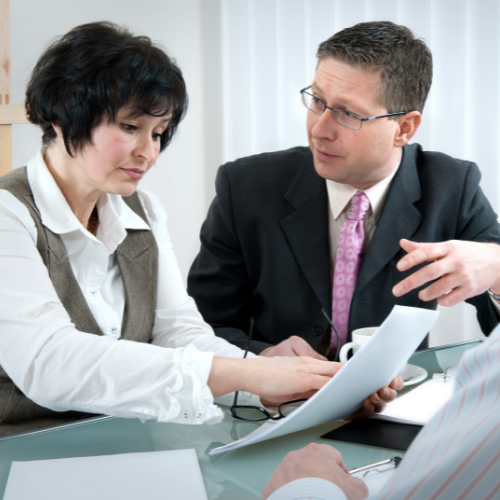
<point x="157" y="137"/>
<point x="128" y="127"/>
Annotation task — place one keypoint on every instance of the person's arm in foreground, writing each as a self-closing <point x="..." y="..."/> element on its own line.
<point x="455" y="455"/>
<point x="319" y="461"/>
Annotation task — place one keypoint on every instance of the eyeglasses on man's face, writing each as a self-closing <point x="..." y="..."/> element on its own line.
<point x="341" y="116"/>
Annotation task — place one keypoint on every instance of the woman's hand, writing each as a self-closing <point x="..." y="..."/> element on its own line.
<point x="275" y="379"/>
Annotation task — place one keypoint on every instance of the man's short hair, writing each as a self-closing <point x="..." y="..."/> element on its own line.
<point x="94" y="70"/>
<point x="403" y="62"/>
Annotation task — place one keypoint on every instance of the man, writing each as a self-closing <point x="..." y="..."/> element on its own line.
<point x="456" y="455"/>
<point x="281" y="244"/>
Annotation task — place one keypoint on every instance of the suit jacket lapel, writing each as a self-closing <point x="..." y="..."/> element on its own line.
<point x="306" y="230"/>
<point x="399" y="219"/>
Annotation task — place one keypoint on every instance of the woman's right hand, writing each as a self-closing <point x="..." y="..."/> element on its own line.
<point x="274" y="379"/>
<point x="277" y="380"/>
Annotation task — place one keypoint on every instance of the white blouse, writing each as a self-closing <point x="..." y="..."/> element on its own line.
<point x="61" y="368"/>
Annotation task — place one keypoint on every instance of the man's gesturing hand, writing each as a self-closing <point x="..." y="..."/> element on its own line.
<point x="316" y="460"/>
<point x="463" y="269"/>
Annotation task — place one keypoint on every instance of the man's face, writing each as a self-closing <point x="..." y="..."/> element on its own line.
<point x="361" y="157"/>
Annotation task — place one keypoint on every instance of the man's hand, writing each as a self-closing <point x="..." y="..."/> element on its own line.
<point x="293" y="346"/>
<point x="377" y="401"/>
<point x="463" y="269"/>
<point x="316" y="460"/>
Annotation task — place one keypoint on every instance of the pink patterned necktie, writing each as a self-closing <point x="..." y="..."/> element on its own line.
<point x="348" y="262"/>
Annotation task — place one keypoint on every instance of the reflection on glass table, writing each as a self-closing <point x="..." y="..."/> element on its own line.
<point x="238" y="474"/>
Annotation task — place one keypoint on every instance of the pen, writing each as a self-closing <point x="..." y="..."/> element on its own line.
<point x="369" y="468"/>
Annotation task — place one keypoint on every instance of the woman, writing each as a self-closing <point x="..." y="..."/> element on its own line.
<point x="95" y="317"/>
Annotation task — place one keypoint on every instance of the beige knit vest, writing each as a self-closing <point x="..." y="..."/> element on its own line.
<point x="137" y="258"/>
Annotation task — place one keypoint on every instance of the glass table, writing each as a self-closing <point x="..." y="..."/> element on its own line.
<point x="238" y="474"/>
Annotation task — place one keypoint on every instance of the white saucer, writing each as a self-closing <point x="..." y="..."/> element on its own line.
<point x="417" y="374"/>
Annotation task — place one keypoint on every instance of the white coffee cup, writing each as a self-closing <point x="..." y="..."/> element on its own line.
<point x="360" y="338"/>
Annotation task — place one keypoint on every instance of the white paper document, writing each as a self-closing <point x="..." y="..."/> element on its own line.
<point x="372" y="368"/>
<point x="421" y="404"/>
<point x="154" y="475"/>
<point x="375" y="481"/>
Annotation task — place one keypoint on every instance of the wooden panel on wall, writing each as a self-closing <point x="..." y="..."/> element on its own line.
<point x="5" y="148"/>
<point x="5" y="130"/>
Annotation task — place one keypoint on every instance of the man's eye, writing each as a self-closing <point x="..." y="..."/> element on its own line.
<point x="348" y="114"/>
<point x="316" y="103"/>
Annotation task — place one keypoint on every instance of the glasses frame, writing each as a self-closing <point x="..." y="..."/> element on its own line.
<point x="265" y="414"/>
<point x="336" y="358"/>
<point x="325" y="107"/>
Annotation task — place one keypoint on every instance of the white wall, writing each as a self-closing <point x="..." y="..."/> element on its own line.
<point x="180" y="176"/>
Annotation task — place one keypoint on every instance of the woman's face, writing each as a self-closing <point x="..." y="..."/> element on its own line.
<point x="121" y="153"/>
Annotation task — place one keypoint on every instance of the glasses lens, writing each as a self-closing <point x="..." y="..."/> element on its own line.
<point x="312" y="103"/>
<point x="346" y="118"/>
<point x="251" y="413"/>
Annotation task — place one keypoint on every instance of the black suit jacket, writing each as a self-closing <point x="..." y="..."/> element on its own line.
<point x="265" y="246"/>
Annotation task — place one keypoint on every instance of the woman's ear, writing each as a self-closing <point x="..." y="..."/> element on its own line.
<point x="58" y="131"/>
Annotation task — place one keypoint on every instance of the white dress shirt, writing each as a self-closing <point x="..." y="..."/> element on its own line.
<point x="339" y="204"/>
<point x="457" y="454"/>
<point x="61" y="368"/>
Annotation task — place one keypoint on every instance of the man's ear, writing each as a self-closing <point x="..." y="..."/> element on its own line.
<point x="408" y="126"/>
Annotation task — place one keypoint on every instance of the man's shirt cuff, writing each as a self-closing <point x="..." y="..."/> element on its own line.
<point x="312" y="488"/>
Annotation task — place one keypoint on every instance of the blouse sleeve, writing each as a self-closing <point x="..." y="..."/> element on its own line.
<point x="61" y="368"/>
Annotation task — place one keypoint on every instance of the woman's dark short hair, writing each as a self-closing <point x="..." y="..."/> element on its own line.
<point x="94" y="70"/>
<point x="403" y="61"/>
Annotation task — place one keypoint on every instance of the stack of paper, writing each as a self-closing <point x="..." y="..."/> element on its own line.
<point x="420" y="405"/>
<point x="375" y="481"/>
<point x="155" y="475"/>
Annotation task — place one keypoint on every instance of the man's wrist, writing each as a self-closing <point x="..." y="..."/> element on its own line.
<point x="493" y="295"/>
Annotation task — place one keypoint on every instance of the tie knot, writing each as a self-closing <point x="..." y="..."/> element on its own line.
<point x="359" y="206"/>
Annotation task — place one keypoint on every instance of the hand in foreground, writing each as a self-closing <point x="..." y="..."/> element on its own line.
<point x="316" y="460"/>
<point x="463" y="269"/>
<point x="293" y="346"/>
